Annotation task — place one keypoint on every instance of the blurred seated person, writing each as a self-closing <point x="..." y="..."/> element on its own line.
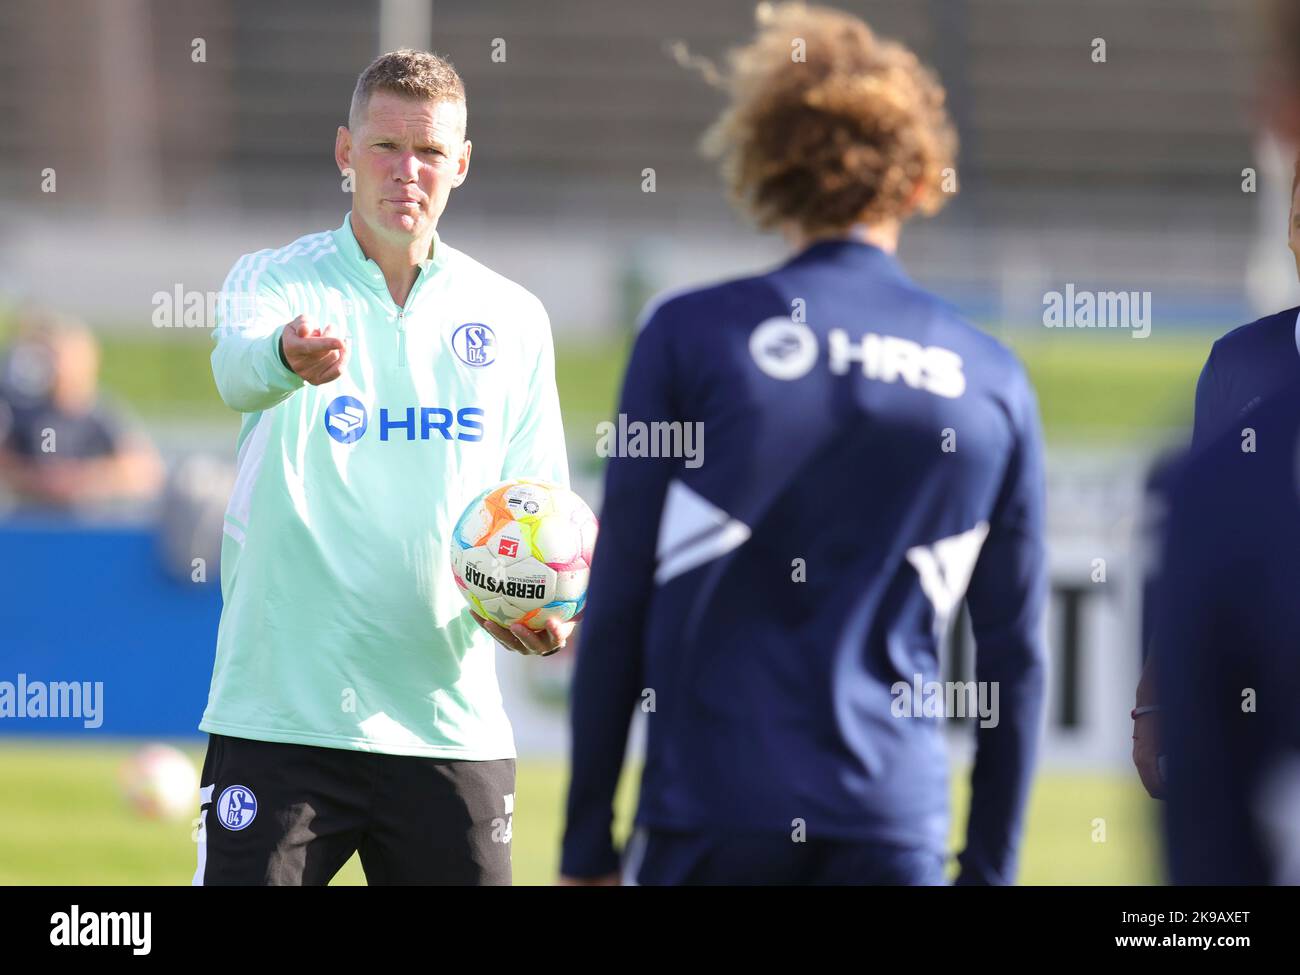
<point x="60" y="445"/>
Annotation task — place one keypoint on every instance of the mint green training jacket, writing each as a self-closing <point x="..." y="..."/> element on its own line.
<point x="342" y="625"/>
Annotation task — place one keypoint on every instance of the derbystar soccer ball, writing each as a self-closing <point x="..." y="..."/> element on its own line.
<point x="160" y="782"/>
<point x="521" y="552"/>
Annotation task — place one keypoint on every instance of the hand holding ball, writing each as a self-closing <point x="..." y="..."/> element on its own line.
<point x="521" y="553"/>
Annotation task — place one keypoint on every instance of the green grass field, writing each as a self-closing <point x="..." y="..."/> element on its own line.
<point x="65" y="823"/>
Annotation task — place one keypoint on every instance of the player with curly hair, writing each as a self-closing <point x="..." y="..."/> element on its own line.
<point x="775" y="605"/>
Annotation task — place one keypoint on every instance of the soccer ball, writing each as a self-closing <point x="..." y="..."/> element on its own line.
<point x="521" y="552"/>
<point x="160" y="783"/>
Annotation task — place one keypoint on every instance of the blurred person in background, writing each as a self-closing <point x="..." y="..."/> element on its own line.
<point x="1226" y="635"/>
<point x="1244" y="368"/>
<point x="781" y="748"/>
<point x="61" y="445"/>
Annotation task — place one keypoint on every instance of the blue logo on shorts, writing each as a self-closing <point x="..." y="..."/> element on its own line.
<point x="345" y="419"/>
<point x="237" y="807"/>
<point x="475" y="344"/>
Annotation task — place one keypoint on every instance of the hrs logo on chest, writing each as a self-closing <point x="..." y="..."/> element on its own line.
<point x="347" y="420"/>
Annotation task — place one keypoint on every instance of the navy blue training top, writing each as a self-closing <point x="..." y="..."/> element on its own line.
<point x="1245" y="367"/>
<point x="1226" y="639"/>
<point x="868" y="458"/>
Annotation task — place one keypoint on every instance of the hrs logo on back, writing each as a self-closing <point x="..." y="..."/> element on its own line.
<point x="788" y="350"/>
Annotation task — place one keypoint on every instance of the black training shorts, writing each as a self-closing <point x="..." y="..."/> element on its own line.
<point x="280" y="814"/>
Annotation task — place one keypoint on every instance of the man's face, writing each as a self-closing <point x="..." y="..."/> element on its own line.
<point x="407" y="155"/>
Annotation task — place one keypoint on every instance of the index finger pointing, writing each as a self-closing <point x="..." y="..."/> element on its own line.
<point x="317" y="344"/>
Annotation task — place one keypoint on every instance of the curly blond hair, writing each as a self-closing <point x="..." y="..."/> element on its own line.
<point x="854" y="133"/>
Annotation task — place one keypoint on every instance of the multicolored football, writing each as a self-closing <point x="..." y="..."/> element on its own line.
<point x="521" y="553"/>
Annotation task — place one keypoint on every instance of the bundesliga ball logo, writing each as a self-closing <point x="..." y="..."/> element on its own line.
<point x="521" y="552"/>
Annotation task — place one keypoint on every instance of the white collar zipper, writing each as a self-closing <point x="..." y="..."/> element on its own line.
<point x="401" y="335"/>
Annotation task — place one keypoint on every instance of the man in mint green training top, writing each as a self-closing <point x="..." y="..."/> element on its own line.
<point x="385" y="380"/>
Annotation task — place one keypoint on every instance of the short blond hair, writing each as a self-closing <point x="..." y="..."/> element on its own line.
<point x="855" y="132"/>
<point x="411" y="74"/>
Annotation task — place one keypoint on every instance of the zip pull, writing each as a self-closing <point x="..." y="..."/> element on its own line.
<point x="401" y="337"/>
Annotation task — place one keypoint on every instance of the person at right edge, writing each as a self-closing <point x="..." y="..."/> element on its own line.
<point x="1227" y="620"/>
<point x="1244" y="368"/>
<point x="868" y="459"/>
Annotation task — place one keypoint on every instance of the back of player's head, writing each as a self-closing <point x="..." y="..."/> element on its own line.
<point x="829" y="125"/>
<point x="410" y="74"/>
